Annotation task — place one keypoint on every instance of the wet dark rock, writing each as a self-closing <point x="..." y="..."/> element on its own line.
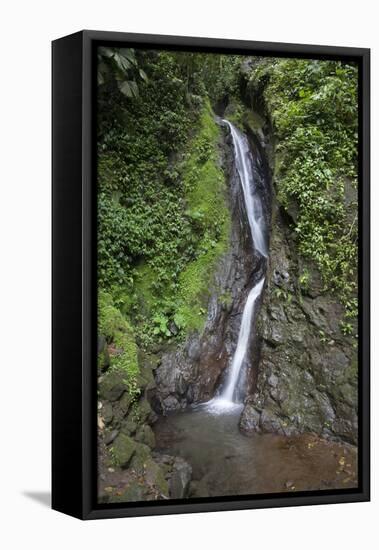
<point x="153" y="417"/>
<point x="273" y="380"/>
<point x="194" y="349"/>
<point x="173" y="329"/>
<point x="280" y="278"/>
<point x="250" y="420"/>
<point x="270" y="422"/>
<point x="307" y="379"/>
<point x="107" y="413"/>
<point x="110" y="437"/>
<point x="171" y="403"/>
<point x="180" y="478"/>
<point x="190" y="394"/>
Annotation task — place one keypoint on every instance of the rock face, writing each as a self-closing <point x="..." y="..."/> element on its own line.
<point x="192" y="373"/>
<point x="307" y="377"/>
<point x="129" y="468"/>
<point x="301" y="373"/>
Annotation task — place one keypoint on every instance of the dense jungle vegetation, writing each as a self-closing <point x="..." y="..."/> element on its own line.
<point x="163" y="213"/>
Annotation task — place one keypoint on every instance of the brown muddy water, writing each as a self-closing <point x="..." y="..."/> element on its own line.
<point x="225" y="462"/>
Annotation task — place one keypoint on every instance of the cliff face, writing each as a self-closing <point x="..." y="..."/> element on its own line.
<point x="307" y="374"/>
<point x="301" y="373"/>
<point x="307" y="370"/>
<point x="192" y="373"/>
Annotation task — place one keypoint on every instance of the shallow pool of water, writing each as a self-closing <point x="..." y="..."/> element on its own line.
<point x="225" y="462"/>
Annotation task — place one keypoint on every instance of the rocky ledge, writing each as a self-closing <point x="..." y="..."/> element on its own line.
<point x="129" y="468"/>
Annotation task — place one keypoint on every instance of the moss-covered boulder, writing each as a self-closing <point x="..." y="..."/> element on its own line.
<point x="121" y="345"/>
<point x="141" y="457"/>
<point x="155" y="477"/>
<point x="129" y="426"/>
<point x="123" y="449"/>
<point x="142" y="411"/>
<point x="112" y="385"/>
<point x="146" y="435"/>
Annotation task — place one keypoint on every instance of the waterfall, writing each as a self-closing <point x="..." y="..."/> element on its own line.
<point x="243" y="341"/>
<point x="243" y="161"/>
<point x="253" y="204"/>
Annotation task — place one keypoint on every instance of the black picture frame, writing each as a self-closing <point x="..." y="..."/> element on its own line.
<point x="74" y="276"/>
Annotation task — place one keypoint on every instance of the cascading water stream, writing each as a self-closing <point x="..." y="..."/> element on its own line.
<point x="243" y="340"/>
<point x="252" y="200"/>
<point x="243" y="161"/>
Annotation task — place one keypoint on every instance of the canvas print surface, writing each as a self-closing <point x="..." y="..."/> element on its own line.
<point x="227" y="223"/>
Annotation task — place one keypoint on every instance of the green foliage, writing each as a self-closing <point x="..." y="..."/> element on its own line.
<point x="207" y="208"/>
<point x="163" y="220"/>
<point x="138" y="182"/>
<point x="283" y="295"/>
<point x="304" y="279"/>
<point x="110" y="320"/>
<point x="162" y="215"/>
<point x="121" y="65"/>
<point x="221" y="75"/>
<point x="118" y="332"/>
<point x="313" y="108"/>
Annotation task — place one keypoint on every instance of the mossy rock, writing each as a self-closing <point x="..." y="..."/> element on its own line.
<point x="103" y="361"/>
<point x="142" y="411"/>
<point x="146" y="435"/>
<point x="112" y="386"/>
<point x="123" y="449"/>
<point x="147" y="377"/>
<point x="142" y="381"/>
<point x="119" y="333"/>
<point x="107" y="413"/>
<point x="129" y="426"/>
<point x="154" y="476"/>
<point x="141" y="457"/>
<point x="125" y="402"/>
<point x="149" y="361"/>
<point x="207" y="208"/>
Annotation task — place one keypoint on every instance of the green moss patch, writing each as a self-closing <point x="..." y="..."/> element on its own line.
<point x="207" y="207"/>
<point x="120" y="338"/>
